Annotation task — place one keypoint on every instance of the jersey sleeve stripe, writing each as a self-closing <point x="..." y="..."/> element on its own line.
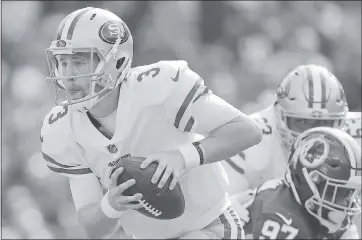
<point x="189" y="124"/>
<point x="239" y="228"/>
<point x="187" y="102"/>
<point x="234" y="166"/>
<point x="227" y="226"/>
<point x="71" y="171"/>
<point x="242" y="155"/>
<point x="206" y="90"/>
<point x="51" y="160"/>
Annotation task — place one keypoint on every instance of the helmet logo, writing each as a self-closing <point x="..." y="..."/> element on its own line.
<point x="317" y="114"/>
<point x="111" y="30"/>
<point x="310" y="152"/>
<point x="283" y="89"/>
<point x="61" y="43"/>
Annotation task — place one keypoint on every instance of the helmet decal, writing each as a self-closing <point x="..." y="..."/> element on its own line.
<point x="283" y="90"/>
<point x="112" y="30"/>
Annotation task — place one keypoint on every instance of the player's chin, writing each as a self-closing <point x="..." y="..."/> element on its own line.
<point x="76" y="95"/>
<point x="336" y="217"/>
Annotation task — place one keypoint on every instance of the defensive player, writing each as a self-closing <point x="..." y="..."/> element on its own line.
<point x="308" y="96"/>
<point x="320" y="195"/>
<point x="108" y="111"/>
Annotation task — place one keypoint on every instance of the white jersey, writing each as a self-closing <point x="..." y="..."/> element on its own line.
<point x="156" y="112"/>
<point x="353" y="125"/>
<point x="268" y="159"/>
<point x="259" y="163"/>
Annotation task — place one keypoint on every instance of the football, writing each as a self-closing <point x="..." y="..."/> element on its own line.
<point x="157" y="203"/>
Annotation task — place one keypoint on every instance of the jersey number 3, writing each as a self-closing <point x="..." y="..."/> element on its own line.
<point x="60" y="114"/>
<point x="272" y="228"/>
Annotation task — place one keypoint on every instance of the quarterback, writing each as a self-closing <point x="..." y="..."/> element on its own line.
<point x="107" y="111"/>
<point x="320" y="195"/>
<point x="308" y="96"/>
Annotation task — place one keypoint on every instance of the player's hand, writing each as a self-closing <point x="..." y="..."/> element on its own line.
<point x="241" y="201"/>
<point x="242" y="211"/>
<point x="170" y="163"/>
<point x="115" y="195"/>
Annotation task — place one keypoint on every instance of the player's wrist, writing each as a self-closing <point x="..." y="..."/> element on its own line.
<point x="108" y="210"/>
<point x="193" y="153"/>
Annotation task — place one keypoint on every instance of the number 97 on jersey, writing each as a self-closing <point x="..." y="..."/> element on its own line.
<point x="274" y="230"/>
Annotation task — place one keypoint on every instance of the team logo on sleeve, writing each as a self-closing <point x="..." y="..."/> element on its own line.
<point x="111" y="30"/>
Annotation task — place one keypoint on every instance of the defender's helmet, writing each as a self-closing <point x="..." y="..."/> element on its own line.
<point x="309" y="96"/>
<point x="103" y="37"/>
<point x="324" y="174"/>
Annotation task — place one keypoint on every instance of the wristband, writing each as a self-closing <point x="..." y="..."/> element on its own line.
<point x="108" y="210"/>
<point x="201" y="151"/>
<point x="193" y="155"/>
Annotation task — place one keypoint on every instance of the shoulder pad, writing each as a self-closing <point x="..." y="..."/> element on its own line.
<point x="264" y="122"/>
<point x="353" y="125"/>
<point x="56" y="121"/>
<point x="271" y="184"/>
<point x="155" y="82"/>
<point x="59" y="148"/>
<point x="354" y="115"/>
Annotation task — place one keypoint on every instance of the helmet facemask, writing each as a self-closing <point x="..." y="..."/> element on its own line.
<point x="291" y="124"/>
<point x="335" y="188"/>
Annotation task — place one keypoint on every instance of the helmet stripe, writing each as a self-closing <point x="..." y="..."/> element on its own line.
<point x="74" y="22"/>
<point x="311" y="87"/>
<point x="61" y="27"/>
<point x="317" y="84"/>
<point x="323" y="82"/>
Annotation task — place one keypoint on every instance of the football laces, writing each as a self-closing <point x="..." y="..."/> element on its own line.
<point x="149" y="208"/>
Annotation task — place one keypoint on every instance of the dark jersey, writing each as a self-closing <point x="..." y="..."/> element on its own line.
<point x="275" y="214"/>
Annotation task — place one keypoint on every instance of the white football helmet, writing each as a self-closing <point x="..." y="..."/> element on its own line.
<point x="103" y="36"/>
<point x="324" y="173"/>
<point x="309" y="96"/>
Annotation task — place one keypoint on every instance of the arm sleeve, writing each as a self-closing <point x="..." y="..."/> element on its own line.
<point x="85" y="189"/>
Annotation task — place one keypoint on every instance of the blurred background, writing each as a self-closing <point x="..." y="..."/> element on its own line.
<point x="242" y="50"/>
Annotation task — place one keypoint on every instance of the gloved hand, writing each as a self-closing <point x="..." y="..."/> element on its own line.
<point x="241" y="201"/>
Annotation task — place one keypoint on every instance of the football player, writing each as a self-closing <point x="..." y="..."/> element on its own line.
<point x="320" y="195"/>
<point x="107" y="111"/>
<point x="308" y="96"/>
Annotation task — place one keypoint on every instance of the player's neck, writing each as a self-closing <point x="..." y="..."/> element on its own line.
<point x="107" y="105"/>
